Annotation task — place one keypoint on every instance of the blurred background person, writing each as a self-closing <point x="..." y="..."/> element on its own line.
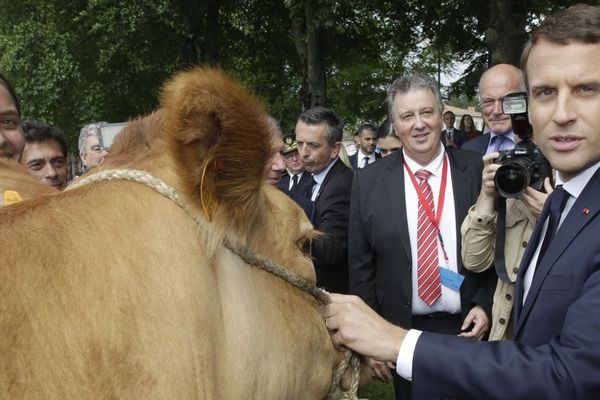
<point x="295" y="179"/>
<point x="91" y="152"/>
<point x="45" y="153"/>
<point x="387" y="139"/>
<point x="11" y="132"/>
<point x="468" y="127"/>
<point x="367" y="142"/>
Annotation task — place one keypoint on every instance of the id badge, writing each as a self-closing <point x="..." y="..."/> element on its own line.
<point x="450" y="279"/>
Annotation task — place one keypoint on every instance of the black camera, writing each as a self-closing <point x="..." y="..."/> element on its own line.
<point x="525" y="165"/>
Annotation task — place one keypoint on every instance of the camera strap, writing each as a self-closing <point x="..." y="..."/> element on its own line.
<point x="499" y="263"/>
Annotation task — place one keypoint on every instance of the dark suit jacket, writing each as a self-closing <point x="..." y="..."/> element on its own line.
<point x="459" y="137"/>
<point x="354" y="159"/>
<point x="478" y="144"/>
<point x="330" y="253"/>
<point x="303" y="188"/>
<point x="380" y="252"/>
<point x="556" y="353"/>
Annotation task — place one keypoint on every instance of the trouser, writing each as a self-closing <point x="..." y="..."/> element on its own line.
<point x="436" y="322"/>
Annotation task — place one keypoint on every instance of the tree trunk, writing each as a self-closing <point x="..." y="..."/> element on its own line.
<point x="210" y="45"/>
<point x="201" y="42"/>
<point x="305" y="32"/>
<point x="505" y="35"/>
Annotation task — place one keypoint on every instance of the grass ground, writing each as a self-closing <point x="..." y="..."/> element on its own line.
<point x="377" y="391"/>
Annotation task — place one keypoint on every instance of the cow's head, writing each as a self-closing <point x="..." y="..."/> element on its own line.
<point x="211" y="140"/>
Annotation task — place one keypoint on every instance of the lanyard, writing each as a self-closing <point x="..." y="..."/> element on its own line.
<point x="437" y="218"/>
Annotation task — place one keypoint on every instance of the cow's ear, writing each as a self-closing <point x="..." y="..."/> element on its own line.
<point x="219" y="140"/>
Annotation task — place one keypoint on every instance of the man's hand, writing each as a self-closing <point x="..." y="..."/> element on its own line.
<point x="486" y="201"/>
<point x="535" y="200"/>
<point x="355" y="325"/>
<point x="478" y="322"/>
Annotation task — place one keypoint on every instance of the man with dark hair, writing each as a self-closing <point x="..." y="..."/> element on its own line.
<point x="387" y="139"/>
<point x="367" y="142"/>
<point x="45" y="153"/>
<point x="319" y="137"/>
<point x="405" y="216"/>
<point x="556" y="351"/>
<point x="451" y="136"/>
<point x="11" y="132"/>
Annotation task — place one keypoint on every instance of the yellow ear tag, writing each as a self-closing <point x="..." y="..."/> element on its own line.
<point x="10" y="197"/>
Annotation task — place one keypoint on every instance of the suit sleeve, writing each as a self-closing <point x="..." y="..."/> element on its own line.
<point x="360" y="254"/>
<point x="331" y="249"/>
<point x="566" y="368"/>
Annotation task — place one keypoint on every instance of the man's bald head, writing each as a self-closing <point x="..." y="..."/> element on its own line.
<point x="494" y="84"/>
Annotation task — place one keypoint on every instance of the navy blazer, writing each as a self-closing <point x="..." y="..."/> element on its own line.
<point x="459" y="137"/>
<point x="380" y="250"/>
<point x="303" y="188"/>
<point x="332" y="206"/>
<point x="556" y="352"/>
<point x="354" y="159"/>
<point x="478" y="144"/>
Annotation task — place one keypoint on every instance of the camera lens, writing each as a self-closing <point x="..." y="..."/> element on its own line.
<point x="512" y="178"/>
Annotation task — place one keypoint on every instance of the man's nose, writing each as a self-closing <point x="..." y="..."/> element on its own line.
<point x="498" y="107"/>
<point x="50" y="172"/>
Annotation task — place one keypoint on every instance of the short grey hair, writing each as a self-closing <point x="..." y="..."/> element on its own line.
<point x="87" y="131"/>
<point x="407" y="83"/>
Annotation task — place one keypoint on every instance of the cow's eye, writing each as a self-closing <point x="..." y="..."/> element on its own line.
<point x="305" y="242"/>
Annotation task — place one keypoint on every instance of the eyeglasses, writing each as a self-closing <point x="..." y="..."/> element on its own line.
<point x="490" y="104"/>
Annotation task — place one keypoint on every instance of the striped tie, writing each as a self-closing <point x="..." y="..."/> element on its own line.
<point x="428" y="274"/>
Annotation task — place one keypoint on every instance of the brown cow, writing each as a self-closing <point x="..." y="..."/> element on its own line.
<point x="138" y="298"/>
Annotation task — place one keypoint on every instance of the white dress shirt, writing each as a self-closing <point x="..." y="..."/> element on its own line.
<point x="319" y="178"/>
<point x="450" y="300"/>
<point x="291" y="182"/>
<point x="360" y="162"/>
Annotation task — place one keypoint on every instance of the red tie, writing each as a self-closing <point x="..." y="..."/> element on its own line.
<point x="428" y="274"/>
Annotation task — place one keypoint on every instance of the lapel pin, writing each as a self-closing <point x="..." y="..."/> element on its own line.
<point x="586" y="211"/>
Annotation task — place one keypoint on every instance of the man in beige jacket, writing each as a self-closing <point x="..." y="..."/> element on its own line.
<point x="478" y="233"/>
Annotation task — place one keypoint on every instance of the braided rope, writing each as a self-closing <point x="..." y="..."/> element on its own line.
<point x="350" y="359"/>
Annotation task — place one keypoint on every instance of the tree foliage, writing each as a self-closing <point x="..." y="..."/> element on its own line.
<point x="78" y="61"/>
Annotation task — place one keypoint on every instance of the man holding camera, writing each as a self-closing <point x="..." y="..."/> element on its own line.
<point x="496" y="230"/>
<point x="479" y="241"/>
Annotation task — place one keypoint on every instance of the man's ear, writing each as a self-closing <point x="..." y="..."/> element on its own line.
<point x="335" y="149"/>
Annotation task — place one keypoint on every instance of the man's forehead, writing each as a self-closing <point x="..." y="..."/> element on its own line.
<point x="46" y="148"/>
<point x="416" y="98"/>
<point x="548" y="62"/>
<point x="92" y="139"/>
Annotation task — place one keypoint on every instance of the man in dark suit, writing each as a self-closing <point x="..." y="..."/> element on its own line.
<point x="452" y="137"/>
<point x="367" y="142"/>
<point x="556" y="352"/>
<point x="494" y="84"/>
<point x="319" y="137"/>
<point x="389" y="261"/>
<point x="295" y="179"/>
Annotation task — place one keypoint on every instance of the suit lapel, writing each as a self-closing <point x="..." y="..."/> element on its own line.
<point x="394" y="184"/>
<point x="572" y="225"/>
<point x="332" y="171"/>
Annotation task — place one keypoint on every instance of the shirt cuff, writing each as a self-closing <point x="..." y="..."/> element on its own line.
<point x="404" y="362"/>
